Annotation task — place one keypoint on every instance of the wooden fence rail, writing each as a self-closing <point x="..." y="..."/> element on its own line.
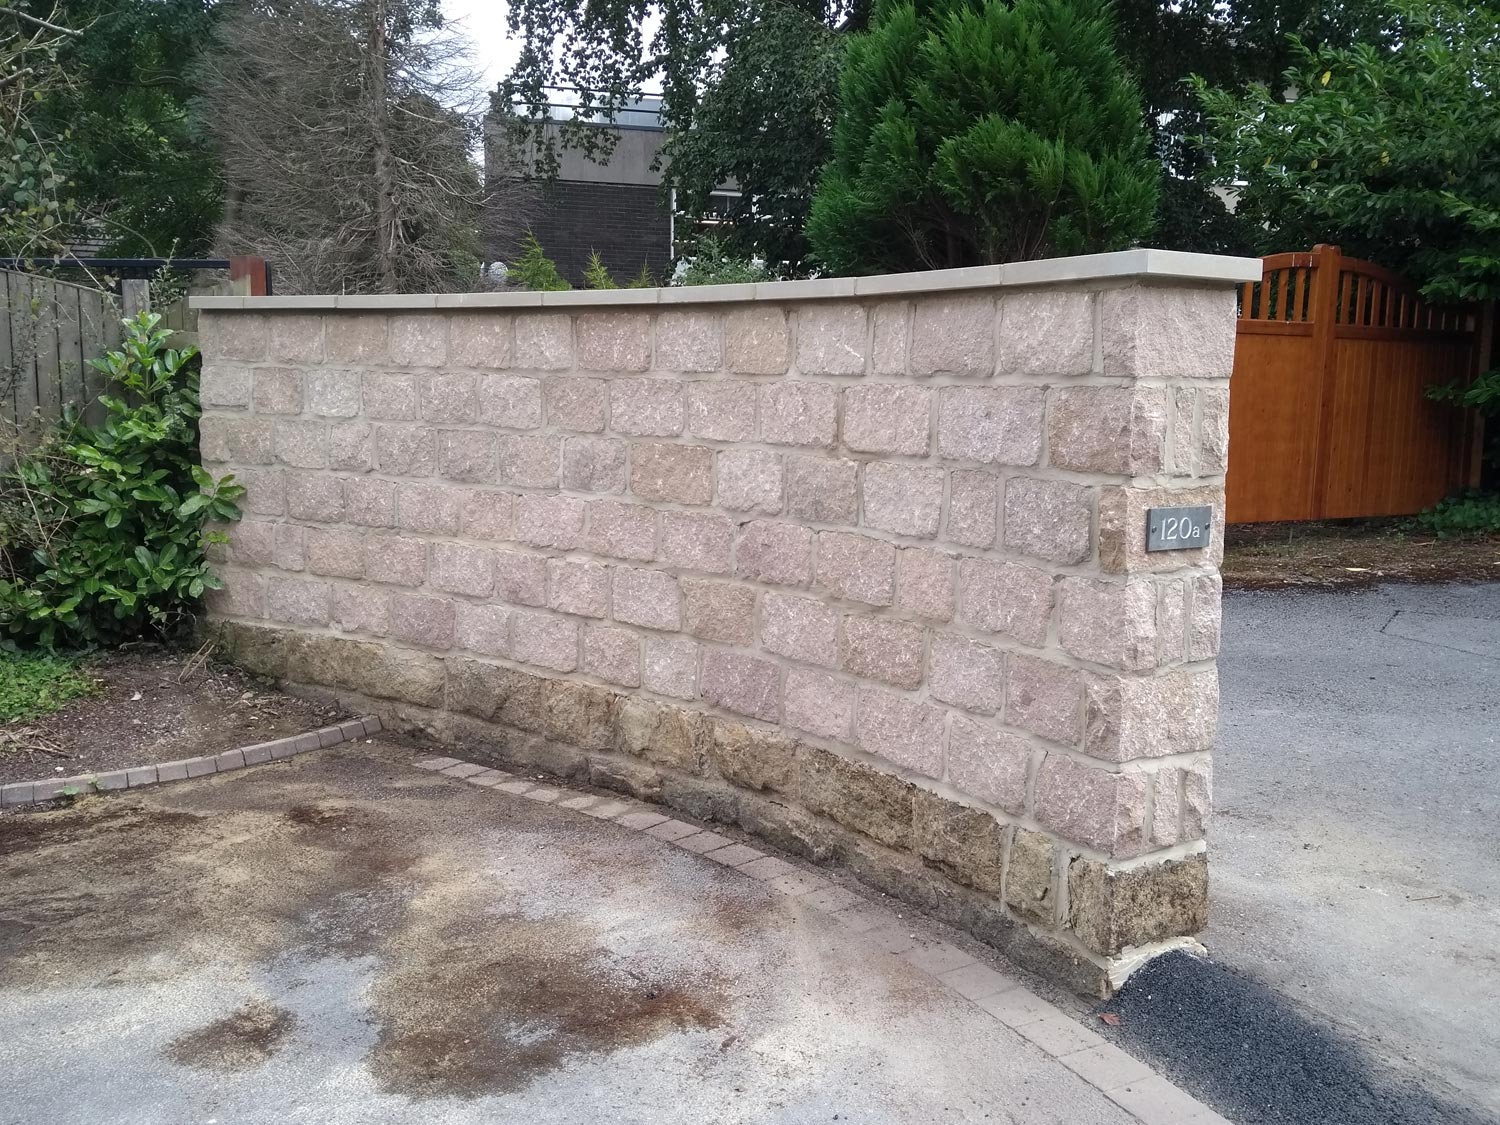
<point x="1329" y="417"/>
<point x="49" y="330"/>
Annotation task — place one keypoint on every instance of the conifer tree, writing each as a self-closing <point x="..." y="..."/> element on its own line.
<point x="978" y="131"/>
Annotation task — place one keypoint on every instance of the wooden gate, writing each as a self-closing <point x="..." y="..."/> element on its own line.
<point x="1328" y="415"/>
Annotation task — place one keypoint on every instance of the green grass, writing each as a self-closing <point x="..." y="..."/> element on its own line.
<point x="32" y="685"/>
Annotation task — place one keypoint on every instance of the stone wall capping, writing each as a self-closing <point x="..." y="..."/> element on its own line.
<point x="1142" y="264"/>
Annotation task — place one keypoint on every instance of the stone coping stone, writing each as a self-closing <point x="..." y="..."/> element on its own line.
<point x="19" y="793"/>
<point x="1122" y="265"/>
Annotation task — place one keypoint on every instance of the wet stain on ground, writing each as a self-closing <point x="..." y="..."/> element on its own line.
<point x="243" y="1039"/>
<point x="321" y="815"/>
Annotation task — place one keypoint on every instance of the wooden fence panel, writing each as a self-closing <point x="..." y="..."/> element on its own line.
<point x="51" y="329"/>
<point x="1329" y="417"/>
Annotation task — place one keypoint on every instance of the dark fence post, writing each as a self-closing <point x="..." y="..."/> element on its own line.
<point x="255" y="270"/>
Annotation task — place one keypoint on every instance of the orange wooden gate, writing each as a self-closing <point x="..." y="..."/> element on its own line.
<point x="1328" y="418"/>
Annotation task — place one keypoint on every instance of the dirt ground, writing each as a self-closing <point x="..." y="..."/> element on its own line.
<point x="153" y="705"/>
<point x="1284" y="556"/>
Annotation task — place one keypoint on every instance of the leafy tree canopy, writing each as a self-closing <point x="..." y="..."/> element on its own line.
<point x="983" y="132"/>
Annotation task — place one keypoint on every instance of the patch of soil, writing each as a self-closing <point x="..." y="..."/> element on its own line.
<point x="1281" y="556"/>
<point x="154" y="705"/>
<point x="243" y="1039"/>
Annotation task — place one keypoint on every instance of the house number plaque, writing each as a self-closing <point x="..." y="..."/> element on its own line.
<point x="1178" y="529"/>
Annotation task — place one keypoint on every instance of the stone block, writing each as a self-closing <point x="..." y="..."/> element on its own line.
<point x="831" y="339"/>
<point x="749" y="480"/>
<point x="484" y="629"/>
<point x="593" y="465"/>
<point x="468" y="455"/>
<point x="697" y="541"/>
<point x="278" y="390"/>
<point x="719" y="611"/>
<point x="779" y="553"/>
<point x="613" y="341"/>
<point x="257" y="649"/>
<point x="1047" y="332"/>
<point x="550" y="521"/>
<point x="520" y="579"/>
<point x="1045" y="698"/>
<point x="1213" y="431"/>
<point x="1007" y="598"/>
<point x="224" y="385"/>
<point x="245" y="441"/>
<point x="645" y="597"/>
<point x="671" y="666"/>
<point x="1049" y="519"/>
<point x="722" y="410"/>
<point x="333" y="394"/>
<point x="973" y="503"/>
<point x="905" y="499"/>
<point x="351" y="446"/>
<point x="509" y="401"/>
<point x="544" y="341"/>
<point x="818" y="703"/>
<point x="612" y="654"/>
<point x="888" y="418"/>
<point x="1171" y="621"/>
<point x="903" y="732"/>
<point x="1197" y="799"/>
<point x="991" y="425"/>
<point x="1166" y="807"/>
<point x="370" y="503"/>
<point x="433" y="509"/>
<point x="646" y="407"/>
<point x="1182" y="430"/>
<point x="530" y="460"/>
<point x="450" y="398"/>
<point x="966" y="674"/>
<point x="1097" y="808"/>
<point x="296" y="602"/>
<point x="1111" y="910"/>
<point x="753" y="759"/>
<point x="575" y="403"/>
<point x="989" y="763"/>
<point x="1120" y="430"/>
<point x="422" y="620"/>
<point x="577" y="586"/>
<point x="799" y="413"/>
<point x="1169" y="332"/>
<point x="491" y="693"/>
<point x="965" y="844"/>
<point x="418" y="339"/>
<point x="689" y="340"/>
<point x="743" y="684"/>
<point x="362" y="609"/>
<point x="891" y="652"/>
<point x="580" y="714"/>
<point x="924" y="583"/>
<point x="487" y="515"/>
<point x="622" y="531"/>
<point x="358" y="338"/>
<point x="678" y="474"/>
<point x="243" y="595"/>
<point x="252" y="542"/>
<point x="804" y="629"/>
<point x="484" y="340"/>
<point x="460" y="568"/>
<point x="337" y="554"/>
<point x="233" y="335"/>
<point x="668" y="736"/>
<point x="1122" y="528"/>
<point x="1130" y="717"/>
<point x="406" y="451"/>
<point x="544" y="640"/>
<point x="891" y="335"/>
<point x="822" y="489"/>
<point x="1108" y="622"/>
<point x="858" y="796"/>
<point x="756" y="340"/>
<point x="1031" y="877"/>
<point x="296" y="338"/>
<point x="396" y="560"/>
<point x="954" y="336"/>
<point x="265" y="491"/>
<point x="315" y="496"/>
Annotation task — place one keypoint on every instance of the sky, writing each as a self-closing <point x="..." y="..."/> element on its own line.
<point x="483" y="21"/>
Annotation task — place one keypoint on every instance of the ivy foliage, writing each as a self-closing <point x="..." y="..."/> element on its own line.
<point x="977" y="132"/>
<point x="102" y="529"/>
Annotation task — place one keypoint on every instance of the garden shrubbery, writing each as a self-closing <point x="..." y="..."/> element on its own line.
<point x="102" y="528"/>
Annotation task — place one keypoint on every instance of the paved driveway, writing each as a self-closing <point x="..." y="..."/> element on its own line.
<point x="344" y="938"/>
<point x="1355" y="920"/>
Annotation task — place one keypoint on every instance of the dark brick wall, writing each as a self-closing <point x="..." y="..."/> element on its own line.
<point x="626" y="223"/>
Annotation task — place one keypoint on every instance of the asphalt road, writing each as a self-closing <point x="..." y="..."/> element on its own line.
<point x="1355" y="870"/>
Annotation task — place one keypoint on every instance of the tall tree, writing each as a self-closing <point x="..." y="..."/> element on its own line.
<point x="971" y="133"/>
<point x="347" y="129"/>
<point x="34" y="205"/>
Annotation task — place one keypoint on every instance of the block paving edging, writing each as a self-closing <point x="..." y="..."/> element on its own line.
<point x="19" y="793"/>
<point x="1123" y="1079"/>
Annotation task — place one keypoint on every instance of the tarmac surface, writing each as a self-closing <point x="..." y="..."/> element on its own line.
<point x="342" y="938"/>
<point x="1354" y="868"/>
